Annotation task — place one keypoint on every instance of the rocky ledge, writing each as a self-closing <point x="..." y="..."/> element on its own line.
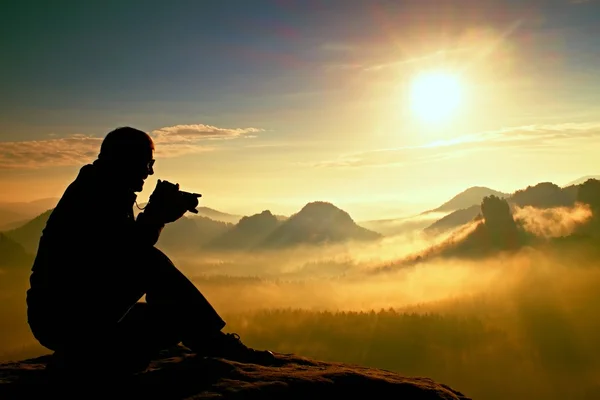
<point x="179" y="374"/>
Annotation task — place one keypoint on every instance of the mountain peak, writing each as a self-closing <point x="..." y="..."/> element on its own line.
<point x="264" y="217"/>
<point x="247" y="232"/>
<point x="320" y="209"/>
<point x="318" y="222"/>
<point x="469" y="197"/>
<point x="319" y="204"/>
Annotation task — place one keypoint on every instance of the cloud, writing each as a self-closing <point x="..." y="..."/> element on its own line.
<point x="199" y="132"/>
<point x="60" y="152"/>
<point x="530" y="136"/>
<point x="172" y="150"/>
<point x="553" y="222"/>
<point x="76" y="150"/>
<point x="381" y="66"/>
<point x="411" y="60"/>
<point x="542" y="137"/>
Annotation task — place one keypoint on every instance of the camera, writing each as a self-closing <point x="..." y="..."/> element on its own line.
<point x="190" y="200"/>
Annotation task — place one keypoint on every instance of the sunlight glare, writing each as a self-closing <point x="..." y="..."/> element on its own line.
<point x="435" y="96"/>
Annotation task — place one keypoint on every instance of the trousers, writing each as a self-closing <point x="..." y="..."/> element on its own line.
<point x="114" y="322"/>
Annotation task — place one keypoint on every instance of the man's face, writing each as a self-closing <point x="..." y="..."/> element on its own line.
<point x="139" y="170"/>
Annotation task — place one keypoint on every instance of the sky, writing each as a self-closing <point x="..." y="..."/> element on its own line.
<point x="273" y="104"/>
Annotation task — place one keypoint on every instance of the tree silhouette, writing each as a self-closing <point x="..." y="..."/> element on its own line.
<point x="589" y="193"/>
<point x="543" y="195"/>
<point x="501" y="228"/>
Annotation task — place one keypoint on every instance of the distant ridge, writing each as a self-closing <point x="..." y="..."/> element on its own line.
<point x="207" y="212"/>
<point x="12" y="254"/>
<point x="469" y="197"/>
<point x="29" y="209"/>
<point x="543" y="195"/>
<point x="28" y="235"/>
<point x="10" y="219"/>
<point x="189" y="234"/>
<point x="582" y="180"/>
<point x="14" y="214"/>
<point x="454" y="219"/>
<point x="217" y="215"/>
<point x="316" y="223"/>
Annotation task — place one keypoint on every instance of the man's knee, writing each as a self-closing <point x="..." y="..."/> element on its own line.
<point x="157" y="256"/>
<point x="161" y="271"/>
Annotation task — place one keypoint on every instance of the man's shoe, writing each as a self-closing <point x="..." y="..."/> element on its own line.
<point x="230" y="347"/>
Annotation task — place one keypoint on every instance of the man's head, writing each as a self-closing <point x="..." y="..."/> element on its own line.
<point x="129" y="154"/>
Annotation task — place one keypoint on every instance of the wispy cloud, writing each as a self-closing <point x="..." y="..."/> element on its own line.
<point x="48" y="153"/>
<point x="411" y="60"/>
<point x="548" y="137"/>
<point x="200" y="131"/>
<point x="366" y="66"/>
<point x="75" y="150"/>
<point x="530" y="135"/>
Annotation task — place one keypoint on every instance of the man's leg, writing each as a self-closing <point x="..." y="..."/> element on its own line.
<point x="115" y="326"/>
<point x="122" y="347"/>
<point x="141" y="334"/>
<point x="190" y="313"/>
<point x="167" y="288"/>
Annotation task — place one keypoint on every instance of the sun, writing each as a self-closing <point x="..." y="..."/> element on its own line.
<point x="436" y="96"/>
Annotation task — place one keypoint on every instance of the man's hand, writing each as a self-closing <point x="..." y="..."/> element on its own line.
<point x="166" y="203"/>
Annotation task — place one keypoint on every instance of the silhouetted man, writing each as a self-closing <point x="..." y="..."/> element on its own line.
<point x="96" y="261"/>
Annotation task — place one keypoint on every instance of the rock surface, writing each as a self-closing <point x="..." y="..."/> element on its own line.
<point x="179" y="374"/>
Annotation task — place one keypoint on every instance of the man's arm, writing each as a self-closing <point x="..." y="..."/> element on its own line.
<point x="111" y="225"/>
<point x="148" y="228"/>
<point x="114" y="226"/>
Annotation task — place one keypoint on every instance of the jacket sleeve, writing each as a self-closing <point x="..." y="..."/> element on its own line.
<point x="148" y="230"/>
<point x="111" y="226"/>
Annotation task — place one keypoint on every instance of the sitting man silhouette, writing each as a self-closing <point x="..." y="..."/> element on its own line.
<point x="95" y="262"/>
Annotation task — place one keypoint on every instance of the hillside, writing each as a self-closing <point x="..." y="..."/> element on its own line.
<point x="317" y="223"/>
<point x="217" y="215"/>
<point x="190" y="233"/>
<point x="9" y="217"/>
<point x="14" y="225"/>
<point x="470" y="197"/>
<point x="12" y="254"/>
<point x="178" y="374"/>
<point x="247" y="233"/>
<point x="29" y="209"/>
<point x="399" y="226"/>
<point x="205" y="212"/>
<point x="454" y="219"/>
<point x="28" y="235"/>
